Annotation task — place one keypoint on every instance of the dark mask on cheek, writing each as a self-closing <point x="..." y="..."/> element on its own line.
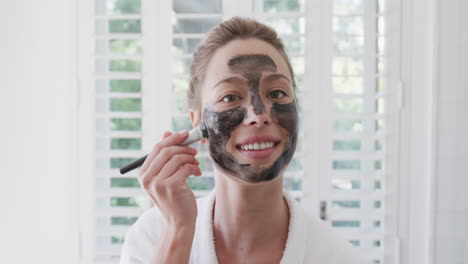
<point x="221" y="124"/>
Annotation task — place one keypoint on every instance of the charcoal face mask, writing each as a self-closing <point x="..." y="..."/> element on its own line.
<point x="221" y="124"/>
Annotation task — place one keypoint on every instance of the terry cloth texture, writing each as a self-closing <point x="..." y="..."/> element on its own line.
<point x="309" y="239"/>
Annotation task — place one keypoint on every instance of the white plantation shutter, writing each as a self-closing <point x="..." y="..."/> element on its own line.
<point x="122" y="76"/>
<point x="141" y="57"/>
<point x="118" y="78"/>
<point x="132" y="81"/>
<point x="352" y="159"/>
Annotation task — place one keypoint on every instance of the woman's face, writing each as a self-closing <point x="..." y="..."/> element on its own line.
<point x="249" y="108"/>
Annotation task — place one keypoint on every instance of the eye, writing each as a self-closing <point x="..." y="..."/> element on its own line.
<point x="230" y="98"/>
<point x="276" y="94"/>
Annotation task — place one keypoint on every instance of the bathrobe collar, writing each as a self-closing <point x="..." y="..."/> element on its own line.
<point x="203" y="249"/>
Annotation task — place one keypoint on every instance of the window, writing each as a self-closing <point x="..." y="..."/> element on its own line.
<point x="141" y="57"/>
<point x="119" y="121"/>
<point x="356" y="167"/>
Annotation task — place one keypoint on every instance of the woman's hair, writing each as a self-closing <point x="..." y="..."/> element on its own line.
<point x="234" y="28"/>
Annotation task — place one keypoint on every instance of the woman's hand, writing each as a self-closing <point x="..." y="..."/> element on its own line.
<point x="163" y="176"/>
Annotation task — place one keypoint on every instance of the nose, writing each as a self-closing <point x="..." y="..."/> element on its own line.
<point x="257" y="120"/>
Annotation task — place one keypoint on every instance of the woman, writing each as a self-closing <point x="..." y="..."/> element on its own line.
<point x="242" y="88"/>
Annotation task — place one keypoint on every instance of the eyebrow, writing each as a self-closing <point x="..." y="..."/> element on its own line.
<point x="240" y="79"/>
<point x="276" y="76"/>
<point x="232" y="79"/>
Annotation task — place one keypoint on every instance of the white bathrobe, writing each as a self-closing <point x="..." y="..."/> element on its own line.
<point x="309" y="239"/>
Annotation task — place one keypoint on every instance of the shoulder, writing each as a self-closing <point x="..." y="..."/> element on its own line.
<point x="322" y="243"/>
<point x="141" y="237"/>
<point x="151" y="222"/>
<point x="331" y="246"/>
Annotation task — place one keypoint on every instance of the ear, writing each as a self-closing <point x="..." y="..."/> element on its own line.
<point x="195" y="117"/>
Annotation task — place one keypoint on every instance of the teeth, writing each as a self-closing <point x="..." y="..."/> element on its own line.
<point x="257" y="146"/>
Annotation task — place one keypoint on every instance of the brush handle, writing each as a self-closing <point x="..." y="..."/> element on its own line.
<point x="195" y="135"/>
<point x="137" y="163"/>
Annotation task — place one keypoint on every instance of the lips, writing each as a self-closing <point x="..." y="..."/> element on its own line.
<point x="258" y="147"/>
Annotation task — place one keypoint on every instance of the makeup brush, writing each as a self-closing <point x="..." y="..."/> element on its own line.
<point x="195" y="135"/>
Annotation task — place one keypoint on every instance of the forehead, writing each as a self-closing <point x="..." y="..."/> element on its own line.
<point x="221" y="64"/>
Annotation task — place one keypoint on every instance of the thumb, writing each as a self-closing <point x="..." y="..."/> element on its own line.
<point x="166" y="134"/>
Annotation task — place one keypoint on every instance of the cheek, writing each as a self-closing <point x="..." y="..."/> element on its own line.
<point x="286" y="116"/>
<point x="230" y="146"/>
<point x="221" y="124"/>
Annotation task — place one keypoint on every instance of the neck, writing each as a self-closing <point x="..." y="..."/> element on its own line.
<point x="249" y="215"/>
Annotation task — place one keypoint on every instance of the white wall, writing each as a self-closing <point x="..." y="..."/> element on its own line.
<point x="434" y="133"/>
<point x="38" y="114"/>
<point x="451" y="208"/>
<point x="416" y="175"/>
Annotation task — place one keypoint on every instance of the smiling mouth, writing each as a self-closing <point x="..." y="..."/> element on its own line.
<point x="257" y="146"/>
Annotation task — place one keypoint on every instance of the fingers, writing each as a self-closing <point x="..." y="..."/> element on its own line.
<point x="179" y="167"/>
<point x="174" y="139"/>
<point x="164" y="156"/>
<point x="166" y="134"/>
<point x="183" y="173"/>
<point x="168" y="140"/>
<point x="175" y="163"/>
<point x="177" y="180"/>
